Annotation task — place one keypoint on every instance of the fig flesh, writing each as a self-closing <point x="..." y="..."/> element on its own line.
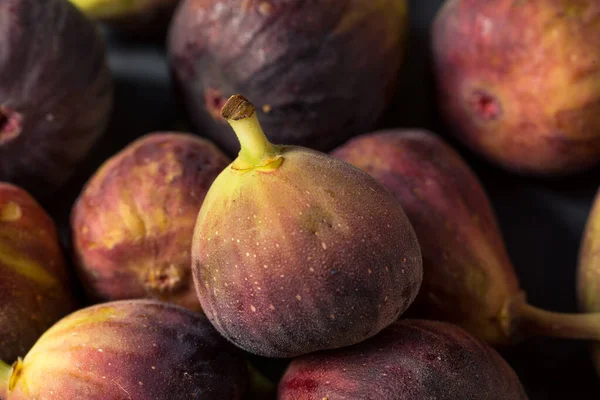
<point x="468" y="277"/>
<point x="295" y="251"/>
<point x="54" y="103"/>
<point x="133" y="223"/>
<point x="35" y="285"/>
<point x="319" y="71"/>
<point x="519" y="81"/>
<point x="411" y="359"/>
<point x="128" y="349"/>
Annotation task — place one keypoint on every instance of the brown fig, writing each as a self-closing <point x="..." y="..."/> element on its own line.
<point x="588" y="282"/>
<point x="318" y="71"/>
<point x="34" y="283"/>
<point x="468" y="277"/>
<point x="409" y="360"/>
<point x="519" y="81"/>
<point x="55" y="92"/>
<point x="133" y="223"/>
<point x="128" y="350"/>
<point x="295" y="251"/>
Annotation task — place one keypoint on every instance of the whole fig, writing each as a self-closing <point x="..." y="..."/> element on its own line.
<point x="128" y="349"/>
<point x="319" y="71"/>
<point x="519" y="81"/>
<point x="295" y="251"/>
<point x="34" y="286"/>
<point x="588" y="279"/>
<point x="54" y="103"/>
<point x="468" y="277"/>
<point x="133" y="223"/>
<point x="411" y="359"/>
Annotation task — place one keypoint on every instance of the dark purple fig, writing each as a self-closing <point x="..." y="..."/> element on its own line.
<point x="588" y="282"/>
<point x="411" y="359"/>
<point x="137" y="17"/>
<point x="468" y="278"/>
<point x="133" y="223"/>
<point x="34" y="282"/>
<point x="295" y="251"/>
<point x="319" y="71"/>
<point x="55" y="93"/>
<point x="128" y="349"/>
<point x="519" y="81"/>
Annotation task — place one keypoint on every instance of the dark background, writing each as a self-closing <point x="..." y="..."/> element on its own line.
<point x="542" y="220"/>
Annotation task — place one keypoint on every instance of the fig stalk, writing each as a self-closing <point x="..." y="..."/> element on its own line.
<point x="256" y="150"/>
<point x="5" y="375"/>
<point x="103" y="9"/>
<point x="538" y="322"/>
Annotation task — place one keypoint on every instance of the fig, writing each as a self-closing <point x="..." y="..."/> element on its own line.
<point x="128" y="349"/>
<point x="133" y="223"/>
<point x="411" y="359"/>
<point x="295" y="251"/>
<point x="35" y="288"/>
<point x="588" y="272"/>
<point x="519" y="81"/>
<point x="319" y="71"/>
<point x="54" y="103"/>
<point x="141" y="18"/>
<point x="468" y="277"/>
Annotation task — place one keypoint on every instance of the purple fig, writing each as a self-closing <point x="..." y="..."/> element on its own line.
<point x="137" y="17"/>
<point x="128" y="349"/>
<point x="588" y="282"/>
<point x="133" y="223"/>
<point x="519" y="81"/>
<point x="54" y="102"/>
<point x="319" y="71"/>
<point x="411" y="359"/>
<point x="468" y="278"/>
<point x="295" y="251"/>
<point x="34" y="285"/>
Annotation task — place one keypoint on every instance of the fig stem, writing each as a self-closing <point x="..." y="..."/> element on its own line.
<point x="5" y="375"/>
<point x="260" y="386"/>
<point x="535" y="321"/>
<point x="256" y="150"/>
<point x="106" y="9"/>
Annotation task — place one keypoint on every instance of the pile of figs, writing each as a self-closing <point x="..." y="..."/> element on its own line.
<point x="282" y="240"/>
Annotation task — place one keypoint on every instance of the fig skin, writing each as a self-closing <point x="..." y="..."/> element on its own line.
<point x="35" y="287"/>
<point x="135" y="349"/>
<point x="318" y="71"/>
<point x="295" y="251"/>
<point x="468" y="277"/>
<point x="141" y="18"/>
<point x="54" y="103"/>
<point x="133" y="223"/>
<point x="411" y="359"/>
<point x="588" y="271"/>
<point x="519" y="81"/>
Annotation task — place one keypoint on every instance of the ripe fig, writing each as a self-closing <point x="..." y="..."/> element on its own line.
<point x="319" y="71"/>
<point x="468" y="277"/>
<point x="34" y="283"/>
<point x="519" y="81"/>
<point x="128" y="349"/>
<point x="588" y="279"/>
<point x="295" y="251"/>
<point x="54" y="103"/>
<point x="133" y="223"/>
<point x="137" y="17"/>
<point x="411" y="359"/>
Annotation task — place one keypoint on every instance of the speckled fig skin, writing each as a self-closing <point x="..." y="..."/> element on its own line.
<point x="468" y="277"/>
<point x="588" y="278"/>
<point x="141" y="18"/>
<point x="34" y="286"/>
<point x="130" y="349"/>
<point x="133" y="223"/>
<point x="519" y="81"/>
<point x="411" y="359"/>
<point x="54" y="103"/>
<point x="313" y="255"/>
<point x="318" y="72"/>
